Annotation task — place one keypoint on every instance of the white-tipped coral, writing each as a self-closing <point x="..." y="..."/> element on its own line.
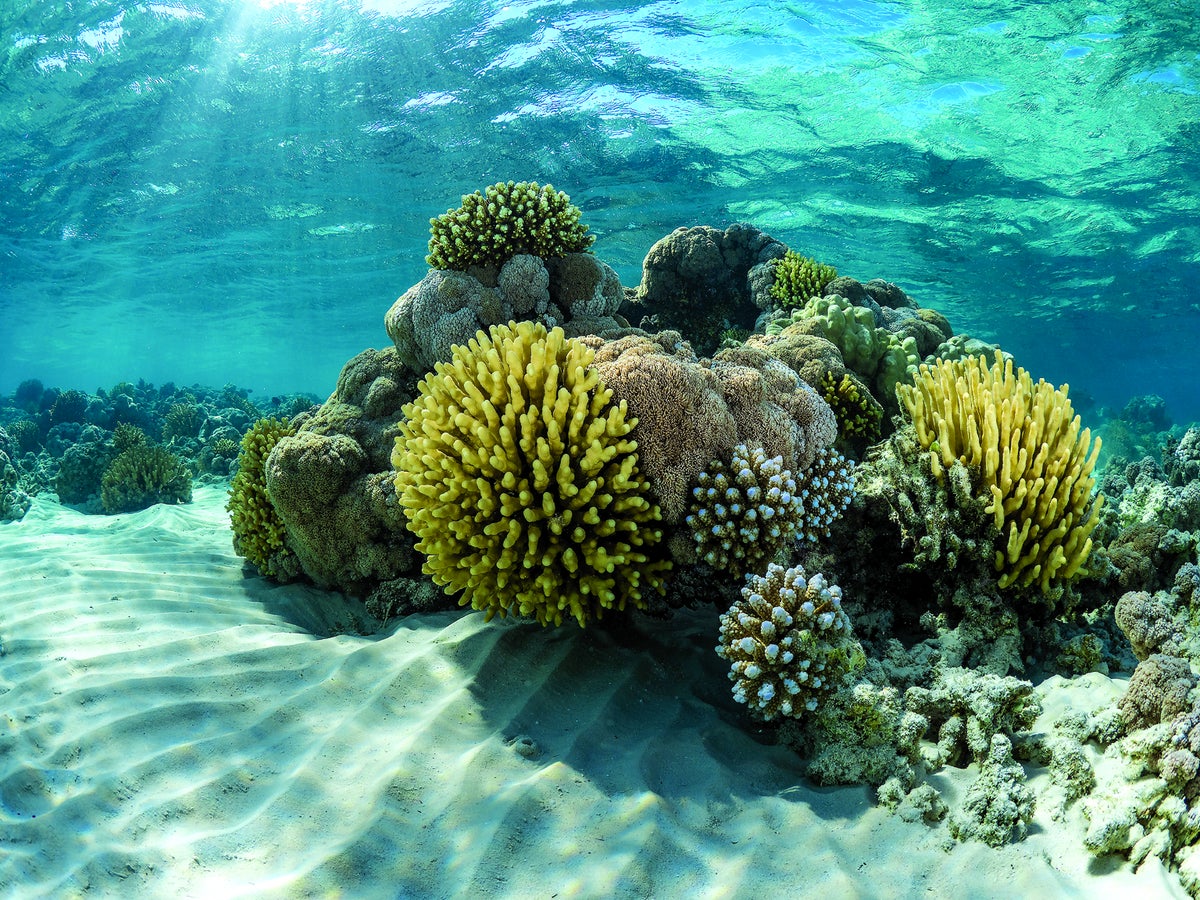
<point x="789" y="642"/>
<point x="743" y="516"/>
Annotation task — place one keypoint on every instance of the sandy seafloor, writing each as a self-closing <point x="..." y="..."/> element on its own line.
<point x="174" y="727"/>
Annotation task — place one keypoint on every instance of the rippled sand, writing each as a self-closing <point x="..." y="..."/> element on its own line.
<point x="171" y="727"/>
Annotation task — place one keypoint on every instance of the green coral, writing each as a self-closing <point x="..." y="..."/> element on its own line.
<point x="880" y="357"/>
<point x="183" y="420"/>
<point x="126" y="436"/>
<point x="142" y="476"/>
<point x="507" y="219"/>
<point x="515" y="470"/>
<point x="798" y="279"/>
<point x="859" y="415"/>
<point x="258" y="531"/>
<point x="1028" y="457"/>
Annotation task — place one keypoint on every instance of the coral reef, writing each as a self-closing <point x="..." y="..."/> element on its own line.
<point x="998" y="807"/>
<point x="506" y="219"/>
<point x="1023" y="442"/>
<point x="966" y="709"/>
<point x="516" y="473"/>
<point x="789" y="643"/>
<point x="700" y="281"/>
<point x="798" y="279"/>
<point x="259" y="535"/>
<point x="14" y="502"/>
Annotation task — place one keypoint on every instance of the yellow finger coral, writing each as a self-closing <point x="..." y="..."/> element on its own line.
<point x="516" y="473"/>
<point x="258" y="531"/>
<point x="507" y="219"/>
<point x="1023" y="440"/>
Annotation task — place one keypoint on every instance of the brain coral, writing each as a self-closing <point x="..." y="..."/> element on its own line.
<point x="1024" y="442"/>
<point x="515" y="470"/>
<point x="789" y="643"/>
<point x="508" y="218"/>
<point x="259" y="535"/>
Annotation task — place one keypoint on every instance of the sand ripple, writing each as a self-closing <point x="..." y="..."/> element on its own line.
<point x="172" y="728"/>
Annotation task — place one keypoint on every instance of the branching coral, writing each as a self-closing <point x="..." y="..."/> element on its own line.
<point x="515" y="470"/>
<point x="742" y="517"/>
<point x="1024" y="442"/>
<point x="258" y="531"/>
<point x="789" y="642"/>
<point x="798" y="279"/>
<point x="143" y="475"/>
<point x="859" y="415"/>
<point x="506" y="219"/>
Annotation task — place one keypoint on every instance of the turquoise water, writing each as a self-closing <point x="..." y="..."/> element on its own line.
<point x="235" y="191"/>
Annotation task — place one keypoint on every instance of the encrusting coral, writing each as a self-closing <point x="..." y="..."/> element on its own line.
<point x="1024" y="443"/>
<point x="259" y="535"/>
<point x="506" y="219"/>
<point x="516" y="472"/>
<point x="789" y="642"/>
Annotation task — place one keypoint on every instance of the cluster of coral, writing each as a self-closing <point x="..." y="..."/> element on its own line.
<point x="541" y="442"/>
<point x="123" y="448"/>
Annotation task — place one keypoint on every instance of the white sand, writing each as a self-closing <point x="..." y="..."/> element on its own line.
<point x="172" y="728"/>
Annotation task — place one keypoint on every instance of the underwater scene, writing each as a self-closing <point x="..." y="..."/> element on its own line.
<point x="595" y="449"/>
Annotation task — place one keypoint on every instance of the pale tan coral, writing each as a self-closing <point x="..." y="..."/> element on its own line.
<point x="690" y="412"/>
<point x="683" y="420"/>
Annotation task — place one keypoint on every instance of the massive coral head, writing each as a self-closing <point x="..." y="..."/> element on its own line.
<point x="516" y="473"/>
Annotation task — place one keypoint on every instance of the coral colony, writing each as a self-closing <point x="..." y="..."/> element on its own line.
<point x="741" y="431"/>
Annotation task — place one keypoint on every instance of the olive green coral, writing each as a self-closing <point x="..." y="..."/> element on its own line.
<point x="1024" y="442"/>
<point x="516" y="473"/>
<point x="507" y="219"/>
<point x="143" y="475"/>
<point x="859" y="415"/>
<point x="258" y="531"/>
<point x="798" y="279"/>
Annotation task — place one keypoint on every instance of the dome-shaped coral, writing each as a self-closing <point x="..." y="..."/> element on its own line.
<point x="789" y="641"/>
<point x="742" y="517"/>
<point x="143" y="475"/>
<point x="258" y="531"/>
<point x="516" y="473"/>
<point x="508" y="218"/>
